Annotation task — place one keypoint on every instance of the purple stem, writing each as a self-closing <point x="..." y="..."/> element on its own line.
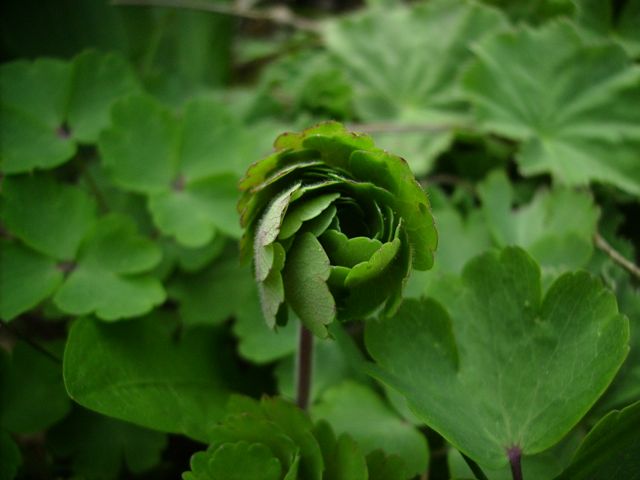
<point x="515" y="454"/>
<point x="304" y="367"/>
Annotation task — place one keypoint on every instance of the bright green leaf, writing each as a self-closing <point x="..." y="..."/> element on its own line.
<point x="502" y="367"/>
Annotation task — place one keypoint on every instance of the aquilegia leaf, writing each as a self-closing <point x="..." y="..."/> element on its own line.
<point x="502" y="368"/>
<point x="335" y="225"/>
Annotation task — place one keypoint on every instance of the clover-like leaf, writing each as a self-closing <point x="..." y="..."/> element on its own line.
<point x="139" y="372"/>
<point x="334" y="225"/>
<point x="187" y="167"/>
<point x="611" y="450"/>
<point x="580" y="124"/>
<point x="502" y="371"/>
<point x="105" y="276"/>
<point x="89" y="265"/>
<point x="411" y="80"/>
<point x="50" y="106"/>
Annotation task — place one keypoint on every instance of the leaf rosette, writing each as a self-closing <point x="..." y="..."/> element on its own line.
<point x="335" y="226"/>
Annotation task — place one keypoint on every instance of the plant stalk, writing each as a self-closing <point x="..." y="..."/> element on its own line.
<point x="304" y="368"/>
<point x="515" y="455"/>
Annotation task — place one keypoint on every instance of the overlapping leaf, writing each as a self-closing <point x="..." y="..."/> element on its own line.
<point x="50" y="106"/>
<point x="187" y="167"/>
<point x="502" y="369"/>
<point x="580" y="124"/>
<point x="89" y="265"/>
<point x="412" y="79"/>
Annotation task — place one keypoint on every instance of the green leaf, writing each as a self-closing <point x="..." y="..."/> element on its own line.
<point x="48" y="216"/>
<point x="346" y="461"/>
<point x="100" y="446"/>
<point x="606" y="19"/>
<point x="411" y="81"/>
<point x="187" y="166"/>
<point x="32" y="397"/>
<point x="235" y="461"/>
<point x="556" y="227"/>
<point x="611" y="450"/>
<point x="357" y="410"/>
<point x="97" y="80"/>
<point x="138" y="372"/>
<point x="305" y="278"/>
<point x="580" y="124"/>
<point x="10" y="458"/>
<point x="542" y="466"/>
<point x="26" y="279"/>
<point x="32" y="111"/>
<point x="108" y="276"/>
<point x="502" y="368"/>
<point x="385" y="467"/>
<point x="49" y="105"/>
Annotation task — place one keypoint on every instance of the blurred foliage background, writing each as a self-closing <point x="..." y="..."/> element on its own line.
<point x="126" y="125"/>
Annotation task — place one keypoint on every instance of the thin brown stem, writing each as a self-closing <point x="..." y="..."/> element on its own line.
<point x="389" y="127"/>
<point x="280" y="14"/>
<point x="304" y="368"/>
<point x="616" y="256"/>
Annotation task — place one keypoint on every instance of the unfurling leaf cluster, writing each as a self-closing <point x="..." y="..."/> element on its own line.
<point x="271" y="439"/>
<point x="334" y="225"/>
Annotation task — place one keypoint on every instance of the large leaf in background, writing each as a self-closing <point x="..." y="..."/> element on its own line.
<point x="412" y="79"/>
<point x="99" y="446"/>
<point x="616" y="20"/>
<point x="556" y="227"/>
<point x="32" y="395"/>
<point x="502" y="371"/>
<point x="357" y="410"/>
<point x="49" y="106"/>
<point x="187" y="167"/>
<point x="611" y="450"/>
<point x="140" y="371"/>
<point x="108" y="276"/>
<point x="581" y="123"/>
